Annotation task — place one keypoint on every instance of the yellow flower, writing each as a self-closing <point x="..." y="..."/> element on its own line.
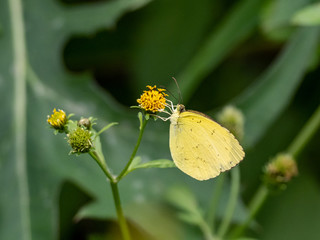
<point x="153" y="100"/>
<point x="58" y="119"/>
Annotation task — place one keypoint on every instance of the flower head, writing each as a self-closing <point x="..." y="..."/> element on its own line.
<point x="280" y="170"/>
<point x="153" y="99"/>
<point x="58" y="119"/>
<point x="233" y="119"/>
<point x="80" y="140"/>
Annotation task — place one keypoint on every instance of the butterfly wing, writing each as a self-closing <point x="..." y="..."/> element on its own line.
<point x="202" y="148"/>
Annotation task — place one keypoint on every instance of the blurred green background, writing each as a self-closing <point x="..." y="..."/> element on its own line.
<point x="95" y="57"/>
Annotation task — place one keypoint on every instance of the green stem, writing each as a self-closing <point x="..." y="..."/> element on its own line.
<point x="215" y="201"/>
<point x="115" y="193"/>
<point x="309" y="129"/>
<point x="114" y="180"/>
<point x="254" y="206"/>
<point x="102" y="165"/>
<point x="20" y="100"/>
<point x="205" y="228"/>
<point x="294" y="149"/>
<point x="122" y="220"/>
<point x="143" y="125"/>
<point x="234" y="192"/>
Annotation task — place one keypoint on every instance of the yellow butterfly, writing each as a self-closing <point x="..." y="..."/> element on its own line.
<point x="199" y="146"/>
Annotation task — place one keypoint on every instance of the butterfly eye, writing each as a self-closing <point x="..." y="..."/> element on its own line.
<point x="181" y="108"/>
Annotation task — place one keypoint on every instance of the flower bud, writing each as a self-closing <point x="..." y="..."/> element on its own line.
<point x="58" y="120"/>
<point x="80" y="140"/>
<point x="232" y="119"/>
<point x="280" y="170"/>
<point x="85" y="123"/>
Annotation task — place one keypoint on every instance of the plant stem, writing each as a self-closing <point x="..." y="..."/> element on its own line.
<point x="20" y="99"/>
<point x="254" y="206"/>
<point x="143" y="125"/>
<point x="122" y="220"/>
<point x="102" y="165"/>
<point x="234" y="192"/>
<point x="304" y="136"/>
<point x="205" y="228"/>
<point x="309" y="129"/>
<point x="215" y="201"/>
<point x="115" y="193"/>
<point x="114" y="181"/>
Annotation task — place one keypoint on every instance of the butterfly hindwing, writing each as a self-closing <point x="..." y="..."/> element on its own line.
<point x="201" y="147"/>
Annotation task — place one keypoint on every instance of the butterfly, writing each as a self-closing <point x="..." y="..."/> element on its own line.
<point x="199" y="146"/>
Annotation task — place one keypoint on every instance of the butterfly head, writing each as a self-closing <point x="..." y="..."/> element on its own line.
<point x="180" y="108"/>
<point x="176" y="113"/>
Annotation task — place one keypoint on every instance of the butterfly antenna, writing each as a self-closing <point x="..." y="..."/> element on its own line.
<point x="180" y="95"/>
<point x="170" y="93"/>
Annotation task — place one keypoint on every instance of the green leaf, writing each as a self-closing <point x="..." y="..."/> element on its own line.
<point x="33" y="160"/>
<point x="106" y="128"/>
<point x="164" y="226"/>
<point x="246" y="238"/>
<point x="277" y="15"/>
<point x="307" y="16"/>
<point x="182" y="198"/>
<point x="190" y="218"/>
<point x="264" y="101"/>
<point x="67" y="212"/>
<point x="234" y="29"/>
<point x="34" y="163"/>
<point x="160" y="163"/>
<point x="135" y="162"/>
<point x="98" y="147"/>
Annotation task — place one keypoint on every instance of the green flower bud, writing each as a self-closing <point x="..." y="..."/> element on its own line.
<point x="80" y="140"/>
<point x="232" y="119"/>
<point x="279" y="171"/>
<point x="85" y="123"/>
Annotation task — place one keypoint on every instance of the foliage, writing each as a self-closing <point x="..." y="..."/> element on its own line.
<point x="245" y="52"/>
